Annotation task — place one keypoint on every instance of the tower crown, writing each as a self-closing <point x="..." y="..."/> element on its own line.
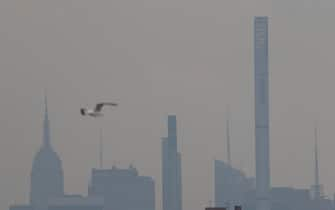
<point x="172" y="125"/>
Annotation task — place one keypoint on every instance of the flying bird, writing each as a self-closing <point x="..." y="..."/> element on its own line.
<point x="96" y="112"/>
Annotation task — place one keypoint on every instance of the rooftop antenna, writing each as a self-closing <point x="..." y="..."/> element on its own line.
<point x="228" y="136"/>
<point x="46" y="137"/>
<point x="96" y="112"/>
<point x="317" y="190"/>
<point x="101" y="150"/>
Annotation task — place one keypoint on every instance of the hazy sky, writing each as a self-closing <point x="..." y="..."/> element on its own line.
<point x="188" y="57"/>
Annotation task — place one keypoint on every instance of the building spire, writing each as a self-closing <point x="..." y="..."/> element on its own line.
<point x="101" y="157"/>
<point x="317" y="190"/>
<point x="46" y="126"/>
<point x="228" y="137"/>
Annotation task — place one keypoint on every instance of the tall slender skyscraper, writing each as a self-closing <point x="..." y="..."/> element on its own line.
<point x="47" y="174"/>
<point x="171" y="168"/>
<point x="262" y="113"/>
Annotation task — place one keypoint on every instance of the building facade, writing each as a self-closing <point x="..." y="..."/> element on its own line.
<point x="21" y="207"/>
<point x="262" y="113"/>
<point x="76" y="202"/>
<point x="123" y="189"/>
<point x="230" y="185"/>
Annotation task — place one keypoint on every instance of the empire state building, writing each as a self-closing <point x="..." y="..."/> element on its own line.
<point x="47" y="174"/>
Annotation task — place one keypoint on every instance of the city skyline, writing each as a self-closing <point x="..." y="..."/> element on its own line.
<point x="191" y="59"/>
<point x="232" y="187"/>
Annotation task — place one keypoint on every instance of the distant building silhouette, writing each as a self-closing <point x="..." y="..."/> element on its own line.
<point x="290" y="198"/>
<point x="233" y="188"/>
<point x="317" y="188"/>
<point x="76" y="202"/>
<point x="261" y="61"/>
<point x="230" y="185"/>
<point x="123" y="189"/>
<point x="296" y="199"/>
<point x="179" y="183"/>
<point x="21" y="207"/>
<point x="47" y="173"/>
<point x="171" y="168"/>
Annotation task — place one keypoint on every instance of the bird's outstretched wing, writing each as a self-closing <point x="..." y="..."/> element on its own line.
<point x="110" y="104"/>
<point x="99" y="106"/>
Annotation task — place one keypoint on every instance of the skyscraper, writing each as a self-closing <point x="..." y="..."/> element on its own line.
<point x="230" y="185"/>
<point x="179" y="183"/>
<point x="47" y="174"/>
<point x="123" y="189"/>
<point x="222" y="184"/>
<point x="76" y="202"/>
<point x="223" y="180"/>
<point x="171" y="168"/>
<point x="262" y="113"/>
